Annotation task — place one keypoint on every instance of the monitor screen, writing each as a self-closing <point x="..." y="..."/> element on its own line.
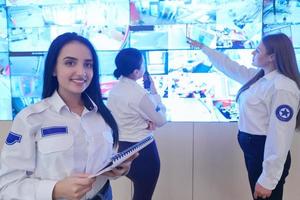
<point x="39" y="2"/>
<point x="27" y="75"/>
<point x="289" y="29"/>
<point x="238" y="24"/>
<point x="5" y="88"/>
<point x="200" y="91"/>
<point x="282" y="17"/>
<point x="33" y="26"/>
<point x="221" y="24"/>
<point x="281" y="12"/>
<point x="107" y="62"/>
<point x="172" y="12"/>
<point x="190" y="86"/>
<point x="3" y="30"/>
<point x="156" y="61"/>
<point x="106" y="70"/>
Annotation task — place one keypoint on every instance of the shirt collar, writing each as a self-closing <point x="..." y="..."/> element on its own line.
<point x="271" y="75"/>
<point x="58" y="103"/>
<point x="127" y="80"/>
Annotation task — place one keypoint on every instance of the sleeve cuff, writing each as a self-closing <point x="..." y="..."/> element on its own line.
<point x="268" y="183"/>
<point x="45" y="189"/>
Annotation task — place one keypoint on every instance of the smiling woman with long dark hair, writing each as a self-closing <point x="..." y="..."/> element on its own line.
<point x="55" y="145"/>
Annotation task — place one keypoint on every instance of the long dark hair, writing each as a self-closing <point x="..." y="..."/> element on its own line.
<point x="285" y="61"/>
<point x="126" y="61"/>
<point x="93" y="90"/>
<point x="282" y="47"/>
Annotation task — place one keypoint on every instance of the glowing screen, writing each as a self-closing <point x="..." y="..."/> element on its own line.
<point x="191" y="87"/>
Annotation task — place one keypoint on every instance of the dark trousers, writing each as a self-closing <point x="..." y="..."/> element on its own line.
<point x="105" y="193"/>
<point x="144" y="170"/>
<point x="253" y="148"/>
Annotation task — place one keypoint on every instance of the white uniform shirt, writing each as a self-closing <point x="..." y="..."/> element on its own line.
<point x="132" y="106"/>
<point x="47" y="143"/>
<point x="269" y="107"/>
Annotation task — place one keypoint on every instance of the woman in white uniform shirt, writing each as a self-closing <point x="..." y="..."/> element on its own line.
<point x="269" y="106"/>
<point x="137" y="112"/>
<point x="54" y="145"/>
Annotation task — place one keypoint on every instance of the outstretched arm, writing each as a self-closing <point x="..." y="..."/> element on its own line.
<point x="223" y="63"/>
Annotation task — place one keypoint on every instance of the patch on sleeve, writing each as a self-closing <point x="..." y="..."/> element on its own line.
<point x="12" y="138"/>
<point x="54" y="130"/>
<point x="284" y="113"/>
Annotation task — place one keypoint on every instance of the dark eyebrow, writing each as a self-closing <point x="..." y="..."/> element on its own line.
<point x="69" y="57"/>
<point x="88" y="60"/>
<point x="73" y="58"/>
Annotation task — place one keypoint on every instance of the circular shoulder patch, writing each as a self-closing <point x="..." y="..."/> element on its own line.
<point x="284" y="113"/>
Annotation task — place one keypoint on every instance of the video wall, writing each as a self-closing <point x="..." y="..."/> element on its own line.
<point x="191" y="88"/>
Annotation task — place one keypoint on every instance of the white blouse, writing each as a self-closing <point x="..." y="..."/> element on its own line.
<point x="47" y="143"/>
<point x="268" y="107"/>
<point x="132" y="107"/>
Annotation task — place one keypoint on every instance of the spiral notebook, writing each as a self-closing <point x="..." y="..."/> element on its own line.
<point x="120" y="157"/>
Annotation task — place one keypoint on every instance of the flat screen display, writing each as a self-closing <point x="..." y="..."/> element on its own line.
<point x="190" y="86"/>
<point x="218" y="23"/>
<point x="5" y="88"/>
<point x="197" y="88"/>
<point x="281" y="12"/>
<point x="3" y="30"/>
<point x="33" y="26"/>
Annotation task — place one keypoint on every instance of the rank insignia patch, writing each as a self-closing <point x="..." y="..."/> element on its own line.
<point x="12" y="138"/>
<point x="284" y="113"/>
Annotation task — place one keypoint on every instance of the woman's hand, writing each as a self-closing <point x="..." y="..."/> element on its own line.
<point x="261" y="192"/>
<point x="152" y="86"/>
<point x="194" y="43"/>
<point x="151" y="126"/>
<point x="121" y="169"/>
<point x="73" y="187"/>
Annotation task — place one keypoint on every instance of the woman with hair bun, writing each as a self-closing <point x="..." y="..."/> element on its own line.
<point x="137" y="113"/>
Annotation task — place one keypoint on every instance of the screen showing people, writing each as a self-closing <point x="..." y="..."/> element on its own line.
<point x="192" y="89"/>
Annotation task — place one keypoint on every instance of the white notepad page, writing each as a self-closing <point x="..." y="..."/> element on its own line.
<point x="120" y="157"/>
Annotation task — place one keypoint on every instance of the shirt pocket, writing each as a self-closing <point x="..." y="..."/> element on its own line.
<point x="57" y="143"/>
<point x="251" y="99"/>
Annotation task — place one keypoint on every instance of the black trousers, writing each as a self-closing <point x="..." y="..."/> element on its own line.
<point x="144" y="170"/>
<point x="104" y="194"/>
<point x="253" y="149"/>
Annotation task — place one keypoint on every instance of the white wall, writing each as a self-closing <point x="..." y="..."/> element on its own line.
<point x="4" y="128"/>
<point x="200" y="161"/>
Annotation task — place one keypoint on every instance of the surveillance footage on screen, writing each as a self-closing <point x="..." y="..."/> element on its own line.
<point x="190" y="86"/>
